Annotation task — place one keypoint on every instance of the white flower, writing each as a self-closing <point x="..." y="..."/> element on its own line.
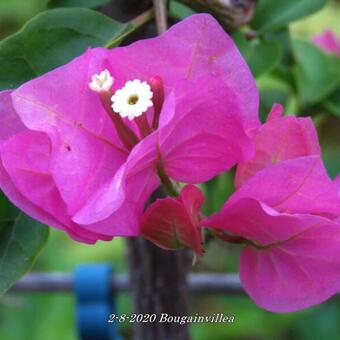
<point x="101" y="82"/>
<point x="133" y="99"/>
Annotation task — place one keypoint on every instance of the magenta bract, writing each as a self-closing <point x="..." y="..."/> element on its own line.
<point x="173" y="223"/>
<point x="328" y="42"/>
<point x="280" y="139"/>
<point x="296" y="261"/>
<point x="63" y="161"/>
<point x="286" y="209"/>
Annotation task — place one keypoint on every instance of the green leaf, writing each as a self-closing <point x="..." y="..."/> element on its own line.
<point x="283" y="37"/>
<point x="332" y="103"/>
<point x="271" y="15"/>
<point x="216" y="192"/>
<point x="316" y="74"/>
<point x="76" y="3"/>
<point x="21" y="240"/>
<point x="268" y="98"/>
<point x="321" y="322"/>
<point x="179" y="11"/>
<point x="274" y="88"/>
<point x="261" y="56"/>
<point x="328" y="129"/>
<point x="53" y="38"/>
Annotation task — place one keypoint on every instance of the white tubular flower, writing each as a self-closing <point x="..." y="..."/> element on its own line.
<point x="101" y="82"/>
<point x="133" y="99"/>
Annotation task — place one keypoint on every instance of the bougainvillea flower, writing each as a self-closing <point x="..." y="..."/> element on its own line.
<point x="173" y="223"/>
<point x="328" y="42"/>
<point x="77" y="159"/>
<point x="286" y="213"/>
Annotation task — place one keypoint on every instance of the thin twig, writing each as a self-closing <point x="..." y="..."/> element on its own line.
<point x="160" y="7"/>
<point x="143" y="18"/>
<point x="133" y="25"/>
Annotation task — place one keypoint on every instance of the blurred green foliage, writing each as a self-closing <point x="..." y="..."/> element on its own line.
<point x="52" y="39"/>
<point x="13" y="13"/>
<point x="261" y="55"/>
<point x="18" y="249"/>
<point x="272" y="15"/>
<point x="270" y="54"/>
<point x="76" y="3"/>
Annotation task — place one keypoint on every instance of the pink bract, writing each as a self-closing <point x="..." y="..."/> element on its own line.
<point x="287" y="212"/>
<point x="297" y="260"/>
<point x="173" y="223"/>
<point x="328" y="41"/>
<point x="62" y="161"/>
<point x="280" y="139"/>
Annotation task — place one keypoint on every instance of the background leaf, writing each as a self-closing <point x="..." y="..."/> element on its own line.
<point x="271" y="15"/>
<point x="179" y="11"/>
<point x="328" y="128"/>
<point x="317" y="74"/>
<point x="76" y="3"/>
<point x="217" y="191"/>
<point x="261" y="56"/>
<point x="21" y="240"/>
<point x="283" y="38"/>
<point x="53" y="38"/>
<point x="320" y="323"/>
<point x="332" y="103"/>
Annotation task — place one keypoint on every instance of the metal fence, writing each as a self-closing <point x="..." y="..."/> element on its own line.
<point x="198" y="283"/>
<point x="202" y="283"/>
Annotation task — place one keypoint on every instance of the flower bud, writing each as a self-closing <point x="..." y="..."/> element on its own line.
<point x="157" y="88"/>
<point x="173" y="223"/>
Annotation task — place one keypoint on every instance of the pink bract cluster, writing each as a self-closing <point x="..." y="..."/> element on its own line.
<point x="64" y="163"/>
<point x="71" y="162"/>
<point x="286" y="208"/>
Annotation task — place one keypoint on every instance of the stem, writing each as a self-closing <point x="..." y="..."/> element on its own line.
<point x="228" y="238"/>
<point x="166" y="181"/>
<point x="143" y="125"/>
<point x="126" y="135"/>
<point x="158" y="281"/>
<point x="160" y="7"/>
<point x="133" y="25"/>
<point x="143" y="18"/>
<point x="241" y="240"/>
